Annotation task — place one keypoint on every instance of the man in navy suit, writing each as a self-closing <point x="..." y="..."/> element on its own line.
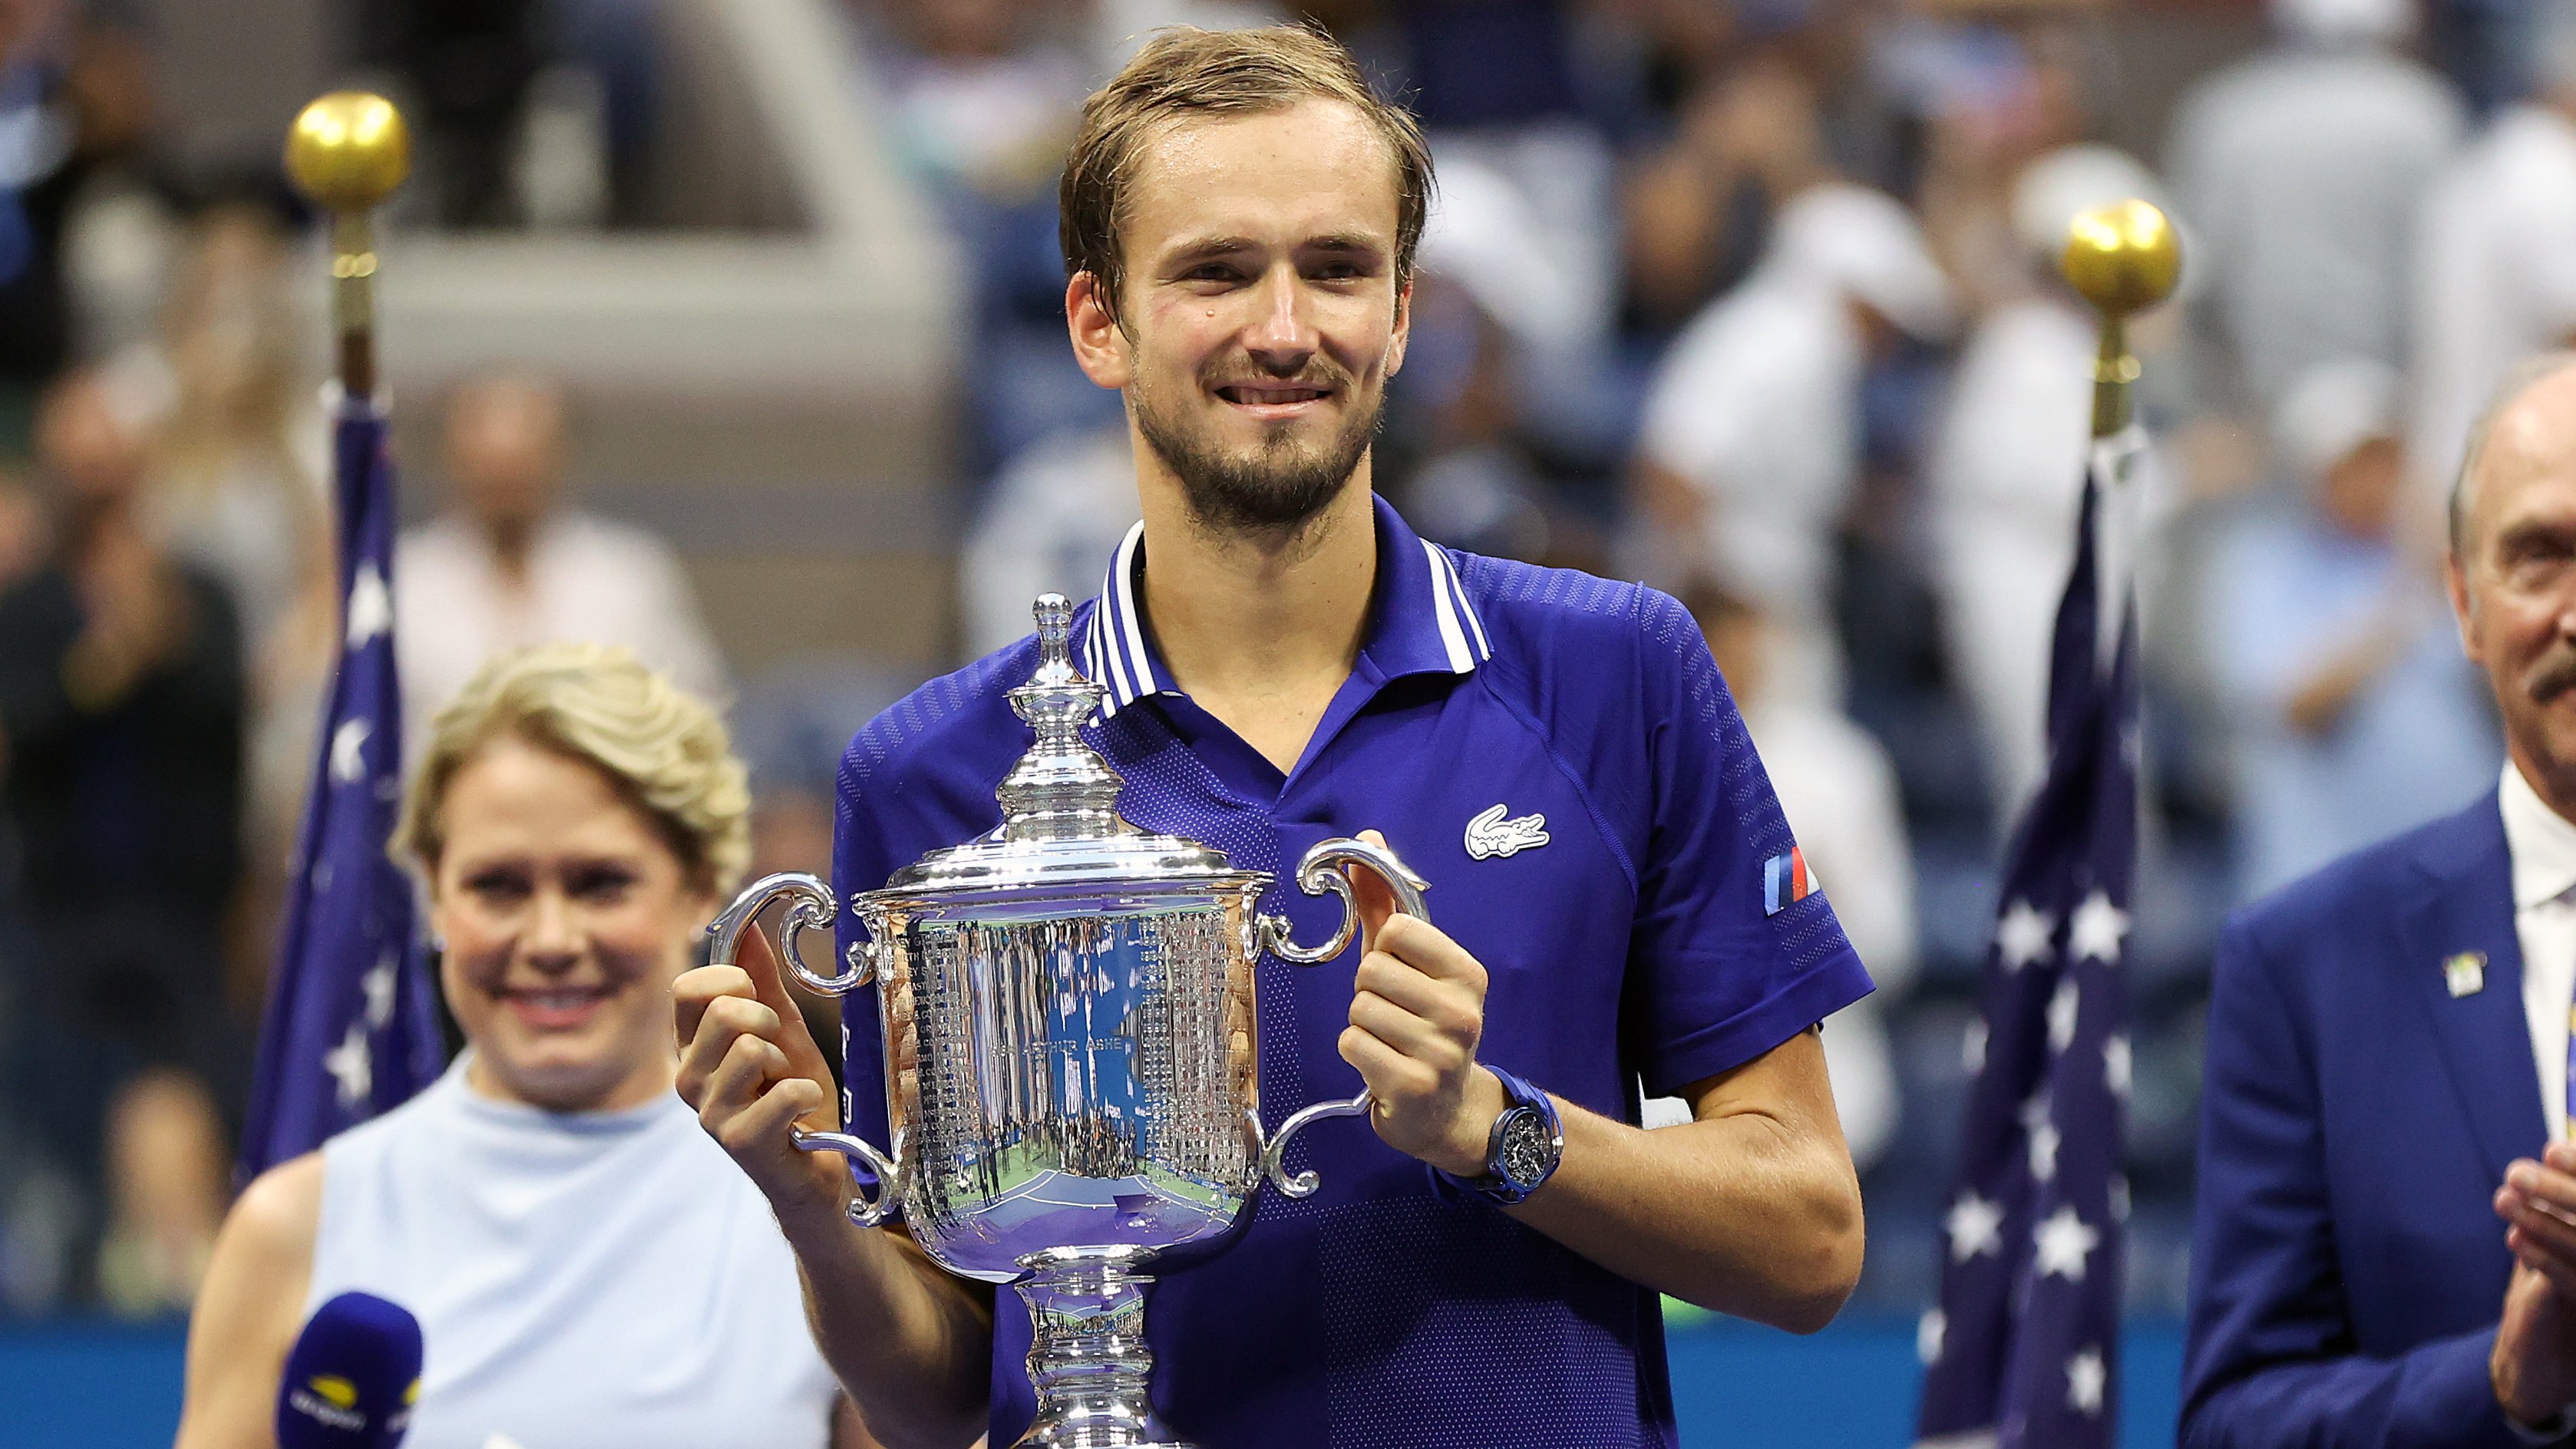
<point x="2386" y="1247"/>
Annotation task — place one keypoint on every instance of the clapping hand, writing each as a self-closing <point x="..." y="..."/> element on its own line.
<point x="2534" y="1363"/>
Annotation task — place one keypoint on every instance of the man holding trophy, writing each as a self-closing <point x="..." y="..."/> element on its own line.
<point x="1081" y="1005"/>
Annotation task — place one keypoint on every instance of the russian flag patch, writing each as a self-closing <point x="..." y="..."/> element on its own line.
<point x="1786" y="881"/>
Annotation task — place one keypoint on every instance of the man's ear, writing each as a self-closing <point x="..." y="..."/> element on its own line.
<point x="2456" y="584"/>
<point x="1403" y="327"/>
<point x="1099" y="346"/>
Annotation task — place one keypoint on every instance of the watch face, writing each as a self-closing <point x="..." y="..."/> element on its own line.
<point x="1529" y="1149"/>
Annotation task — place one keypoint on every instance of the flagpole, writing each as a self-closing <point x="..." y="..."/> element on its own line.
<point x="2123" y="259"/>
<point x="347" y="152"/>
<point x="350" y="1030"/>
<point x="2022" y="1348"/>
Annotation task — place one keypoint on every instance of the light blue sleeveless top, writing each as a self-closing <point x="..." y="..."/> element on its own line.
<point x="587" y="1280"/>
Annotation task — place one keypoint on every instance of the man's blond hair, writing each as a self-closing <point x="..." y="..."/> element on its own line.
<point x="659" y="747"/>
<point x="1184" y="73"/>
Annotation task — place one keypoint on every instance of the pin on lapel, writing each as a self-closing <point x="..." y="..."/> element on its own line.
<point x="2465" y="973"/>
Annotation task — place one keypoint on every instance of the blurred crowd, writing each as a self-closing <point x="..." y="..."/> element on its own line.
<point x="1753" y="299"/>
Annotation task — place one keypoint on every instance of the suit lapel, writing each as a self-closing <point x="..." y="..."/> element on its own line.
<point x="2484" y="1036"/>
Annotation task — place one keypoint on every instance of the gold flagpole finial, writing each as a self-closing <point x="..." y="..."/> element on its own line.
<point x="2123" y="259"/>
<point x="347" y="152"/>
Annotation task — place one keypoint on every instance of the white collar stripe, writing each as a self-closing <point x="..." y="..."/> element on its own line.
<point x="1115" y="680"/>
<point x="1093" y="662"/>
<point x="1452" y="637"/>
<point x="1139" y="663"/>
<point x="1458" y="589"/>
<point x="1119" y="661"/>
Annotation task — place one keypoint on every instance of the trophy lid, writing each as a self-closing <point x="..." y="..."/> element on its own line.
<point x="1060" y="822"/>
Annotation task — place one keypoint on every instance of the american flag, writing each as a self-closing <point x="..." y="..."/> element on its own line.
<point x="2023" y="1349"/>
<point x="350" y="1030"/>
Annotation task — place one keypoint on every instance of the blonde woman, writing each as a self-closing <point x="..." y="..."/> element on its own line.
<point x="586" y="1266"/>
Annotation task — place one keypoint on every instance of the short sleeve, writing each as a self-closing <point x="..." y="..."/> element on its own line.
<point x="1736" y="948"/>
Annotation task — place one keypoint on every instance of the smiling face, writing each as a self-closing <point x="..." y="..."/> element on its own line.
<point x="1261" y="314"/>
<point x="565" y="918"/>
<point x="2513" y="580"/>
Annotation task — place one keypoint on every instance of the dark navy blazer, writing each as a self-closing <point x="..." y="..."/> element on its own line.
<point x="2348" y="1269"/>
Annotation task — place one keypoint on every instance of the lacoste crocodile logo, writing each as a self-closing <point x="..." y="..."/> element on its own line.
<point x="1490" y="835"/>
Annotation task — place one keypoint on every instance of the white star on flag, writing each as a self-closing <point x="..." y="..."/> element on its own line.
<point x="2021" y="937"/>
<point x="348" y="751"/>
<point x="378" y="984"/>
<point x="1975" y="1226"/>
<point x="2044" y="1138"/>
<point x="1929" y="1331"/>
<point x="2061" y="1015"/>
<point x="371" y="606"/>
<point x="2096" y="930"/>
<point x="2117" y="1067"/>
<point x="2063" y="1243"/>
<point x="2086" y="1377"/>
<point x="353" y="1065"/>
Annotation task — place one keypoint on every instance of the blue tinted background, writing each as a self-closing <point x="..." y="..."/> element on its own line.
<point x="1737" y="1387"/>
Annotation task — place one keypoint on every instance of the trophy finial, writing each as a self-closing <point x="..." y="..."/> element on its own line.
<point x="1055" y="634"/>
<point x="1062" y="788"/>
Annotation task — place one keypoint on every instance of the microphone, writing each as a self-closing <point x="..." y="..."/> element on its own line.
<point x="352" y="1376"/>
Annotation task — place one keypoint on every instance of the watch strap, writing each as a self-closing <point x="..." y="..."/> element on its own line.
<point x="1492" y="1185"/>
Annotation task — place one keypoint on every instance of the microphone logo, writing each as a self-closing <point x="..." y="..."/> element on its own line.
<point x="330" y="1400"/>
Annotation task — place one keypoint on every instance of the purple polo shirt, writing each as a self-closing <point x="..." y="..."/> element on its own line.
<point x="1625" y="930"/>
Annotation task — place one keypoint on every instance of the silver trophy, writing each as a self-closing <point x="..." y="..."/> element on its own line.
<point x="1071" y="1068"/>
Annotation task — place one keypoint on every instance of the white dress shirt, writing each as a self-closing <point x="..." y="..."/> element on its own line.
<point x="2542" y="845"/>
<point x="1757" y="406"/>
<point x="589" y="580"/>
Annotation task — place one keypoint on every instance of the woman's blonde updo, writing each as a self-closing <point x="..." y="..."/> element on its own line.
<point x="663" y="749"/>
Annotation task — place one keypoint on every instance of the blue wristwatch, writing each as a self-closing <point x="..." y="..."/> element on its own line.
<point x="1522" y="1151"/>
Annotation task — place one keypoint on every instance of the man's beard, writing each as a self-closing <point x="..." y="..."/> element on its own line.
<point x="1275" y="488"/>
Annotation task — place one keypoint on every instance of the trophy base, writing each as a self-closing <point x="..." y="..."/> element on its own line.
<point x="1087" y="1354"/>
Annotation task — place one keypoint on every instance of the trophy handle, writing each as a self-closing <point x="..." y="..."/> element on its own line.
<point x="1318" y="873"/>
<point x="811" y="908"/>
<point x="866" y="1209"/>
